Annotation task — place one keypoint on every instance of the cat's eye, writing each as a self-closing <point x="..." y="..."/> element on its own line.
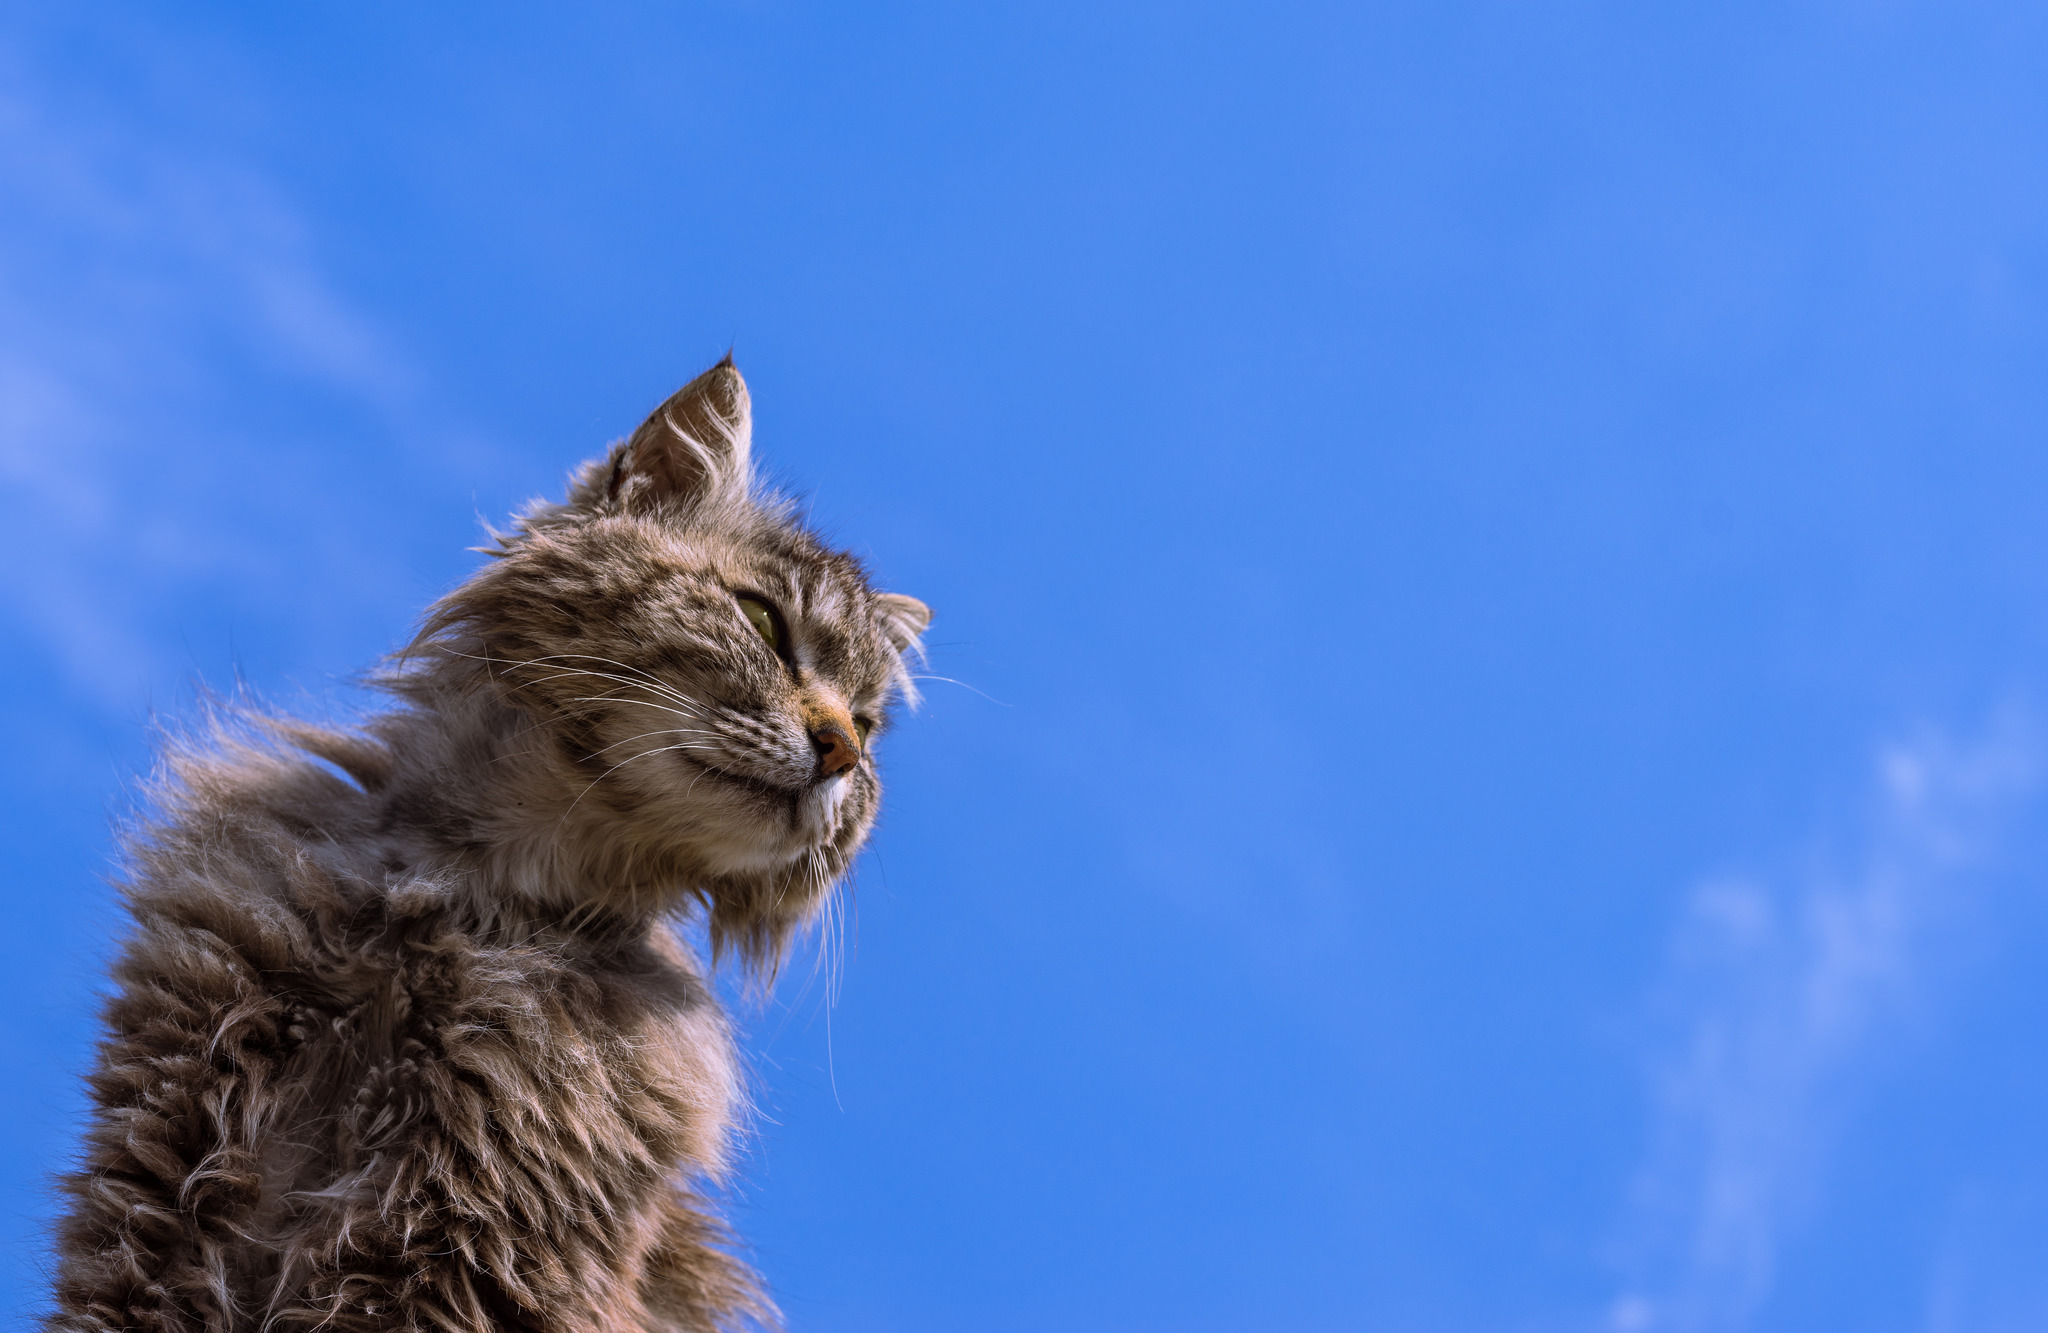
<point x="865" y="726"/>
<point x="763" y="620"/>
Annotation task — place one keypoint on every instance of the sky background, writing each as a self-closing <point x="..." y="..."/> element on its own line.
<point x="1494" y="555"/>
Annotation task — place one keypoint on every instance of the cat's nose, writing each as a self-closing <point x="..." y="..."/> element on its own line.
<point x="837" y="750"/>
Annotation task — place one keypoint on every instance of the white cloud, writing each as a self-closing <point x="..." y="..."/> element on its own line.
<point x="138" y="267"/>
<point x="1783" y="992"/>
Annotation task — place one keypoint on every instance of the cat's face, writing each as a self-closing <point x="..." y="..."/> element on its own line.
<point x="709" y="679"/>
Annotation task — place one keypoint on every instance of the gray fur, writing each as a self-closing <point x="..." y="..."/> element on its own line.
<point x="418" y="1048"/>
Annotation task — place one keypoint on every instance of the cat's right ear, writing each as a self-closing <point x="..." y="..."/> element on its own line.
<point x="903" y="619"/>
<point x="697" y="444"/>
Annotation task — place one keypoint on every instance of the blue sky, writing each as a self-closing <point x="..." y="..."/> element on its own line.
<point x="1495" y="556"/>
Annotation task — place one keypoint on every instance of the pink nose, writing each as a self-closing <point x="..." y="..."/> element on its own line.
<point x="836" y="750"/>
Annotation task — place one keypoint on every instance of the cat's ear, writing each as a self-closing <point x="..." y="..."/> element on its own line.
<point x="697" y="444"/>
<point x="903" y="619"/>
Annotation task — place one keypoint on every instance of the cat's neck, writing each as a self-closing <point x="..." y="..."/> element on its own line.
<point x="479" y="800"/>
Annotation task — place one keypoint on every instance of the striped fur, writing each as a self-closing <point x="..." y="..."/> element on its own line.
<point x="404" y="1037"/>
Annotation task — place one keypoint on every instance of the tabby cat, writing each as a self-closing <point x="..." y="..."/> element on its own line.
<point x="404" y="1036"/>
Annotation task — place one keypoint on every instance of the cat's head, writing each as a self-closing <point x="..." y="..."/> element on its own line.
<point x="705" y="681"/>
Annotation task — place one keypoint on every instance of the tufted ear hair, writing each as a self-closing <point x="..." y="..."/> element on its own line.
<point x="697" y="444"/>
<point x="903" y="619"/>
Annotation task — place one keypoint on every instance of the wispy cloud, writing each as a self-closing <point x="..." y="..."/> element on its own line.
<point x="139" y="267"/>
<point x="1783" y="992"/>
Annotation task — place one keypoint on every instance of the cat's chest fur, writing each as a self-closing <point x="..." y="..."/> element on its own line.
<point x="607" y="1051"/>
<point x="393" y="1085"/>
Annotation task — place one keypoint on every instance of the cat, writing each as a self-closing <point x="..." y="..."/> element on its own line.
<point x="405" y="1036"/>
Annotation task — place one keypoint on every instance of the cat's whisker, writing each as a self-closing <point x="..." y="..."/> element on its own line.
<point x="919" y="675"/>
<point x="588" y="657"/>
<point x="660" y="690"/>
<point x="640" y="679"/>
<point x="832" y="940"/>
<point x="659" y="749"/>
<point x="644" y="703"/>
<point x="842" y="910"/>
<point x="645" y="734"/>
<point x="616" y="695"/>
<point x="641" y="703"/>
<point x="650" y="683"/>
<point x="515" y="664"/>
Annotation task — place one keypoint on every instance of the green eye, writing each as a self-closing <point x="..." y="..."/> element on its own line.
<point x="762" y="619"/>
<point x="865" y="726"/>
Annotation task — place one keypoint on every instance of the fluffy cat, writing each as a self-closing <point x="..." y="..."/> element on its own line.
<point x="417" y="1048"/>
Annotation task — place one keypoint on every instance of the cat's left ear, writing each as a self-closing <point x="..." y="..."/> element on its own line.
<point x="903" y="619"/>
<point x="698" y="443"/>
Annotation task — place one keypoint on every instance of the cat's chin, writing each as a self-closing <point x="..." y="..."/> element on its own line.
<point x="819" y="809"/>
<point x="774" y="829"/>
<point x="772" y="856"/>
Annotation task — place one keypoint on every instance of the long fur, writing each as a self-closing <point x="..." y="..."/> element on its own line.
<point x="404" y="1036"/>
